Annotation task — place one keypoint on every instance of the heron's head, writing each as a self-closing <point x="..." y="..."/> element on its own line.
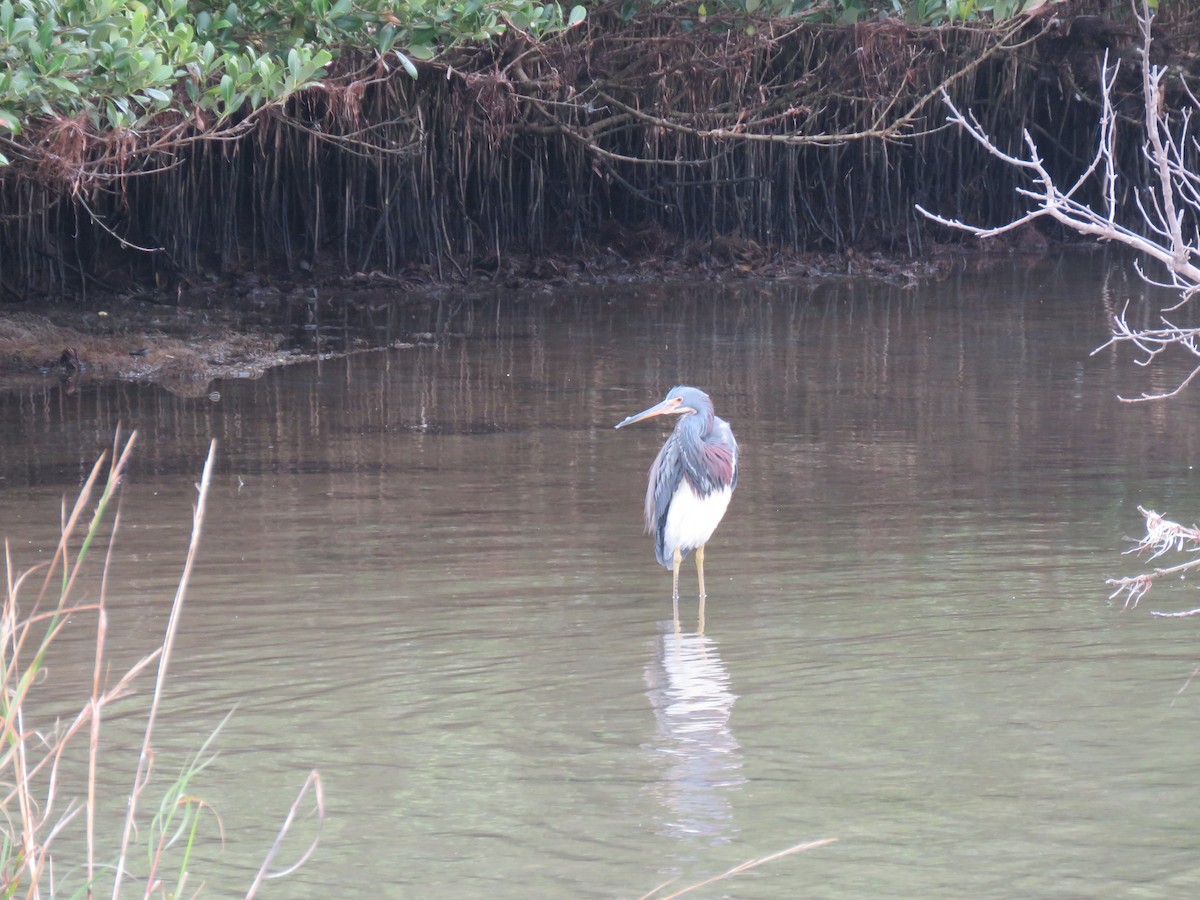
<point x="680" y="401"/>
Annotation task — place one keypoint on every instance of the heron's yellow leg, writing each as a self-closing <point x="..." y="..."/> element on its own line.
<point x="700" y="574"/>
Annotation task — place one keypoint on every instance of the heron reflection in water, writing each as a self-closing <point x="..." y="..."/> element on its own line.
<point x="692" y="698"/>
<point x="691" y="482"/>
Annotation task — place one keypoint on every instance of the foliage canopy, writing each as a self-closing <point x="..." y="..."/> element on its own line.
<point x="119" y="65"/>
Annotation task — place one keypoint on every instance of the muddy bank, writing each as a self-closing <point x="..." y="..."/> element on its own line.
<point x="133" y="340"/>
<point x="243" y="326"/>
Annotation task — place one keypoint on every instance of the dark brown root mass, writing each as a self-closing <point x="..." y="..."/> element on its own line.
<point x="621" y="150"/>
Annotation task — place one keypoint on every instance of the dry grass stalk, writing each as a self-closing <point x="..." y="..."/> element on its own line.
<point x="145" y="759"/>
<point x="313" y="783"/>
<point x="740" y="868"/>
<point x="31" y="780"/>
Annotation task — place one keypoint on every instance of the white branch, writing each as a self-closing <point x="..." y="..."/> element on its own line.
<point x="1162" y="536"/>
<point x="1167" y="206"/>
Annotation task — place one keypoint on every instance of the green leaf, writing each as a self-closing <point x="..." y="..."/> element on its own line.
<point x="9" y="121"/>
<point x="386" y="38"/>
<point x="407" y="63"/>
<point x="63" y="84"/>
<point x="578" y="14"/>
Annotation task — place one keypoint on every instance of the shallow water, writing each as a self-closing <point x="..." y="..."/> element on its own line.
<point x="422" y="574"/>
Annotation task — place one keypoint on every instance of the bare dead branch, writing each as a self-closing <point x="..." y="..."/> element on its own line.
<point x="1162" y="536"/>
<point x="1168" y="205"/>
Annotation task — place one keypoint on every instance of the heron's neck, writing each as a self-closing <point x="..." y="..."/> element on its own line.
<point x="700" y="422"/>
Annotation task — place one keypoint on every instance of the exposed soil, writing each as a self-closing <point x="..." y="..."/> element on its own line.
<point x="181" y="346"/>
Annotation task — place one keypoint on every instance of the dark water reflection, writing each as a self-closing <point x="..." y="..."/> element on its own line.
<point x="423" y="575"/>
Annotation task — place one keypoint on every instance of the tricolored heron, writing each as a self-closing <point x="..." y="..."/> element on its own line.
<point x="691" y="481"/>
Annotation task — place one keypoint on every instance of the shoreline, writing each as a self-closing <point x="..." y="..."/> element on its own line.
<point x="238" y="329"/>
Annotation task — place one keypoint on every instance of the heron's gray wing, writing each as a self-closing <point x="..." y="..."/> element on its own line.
<point x="721" y="457"/>
<point x="665" y="474"/>
<point x="711" y="464"/>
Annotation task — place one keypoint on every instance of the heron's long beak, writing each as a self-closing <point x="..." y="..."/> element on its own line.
<point x="670" y="406"/>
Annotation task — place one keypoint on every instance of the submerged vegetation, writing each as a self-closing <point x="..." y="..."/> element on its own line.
<point x="53" y="772"/>
<point x="163" y="147"/>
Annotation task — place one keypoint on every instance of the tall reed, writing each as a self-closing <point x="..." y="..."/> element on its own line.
<point x="38" y="800"/>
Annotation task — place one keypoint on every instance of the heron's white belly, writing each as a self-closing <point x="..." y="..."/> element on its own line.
<point x="691" y="519"/>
